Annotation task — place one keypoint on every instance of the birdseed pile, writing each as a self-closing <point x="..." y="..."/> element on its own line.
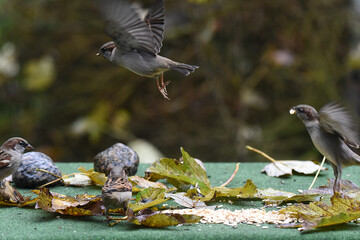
<point x="232" y="218"/>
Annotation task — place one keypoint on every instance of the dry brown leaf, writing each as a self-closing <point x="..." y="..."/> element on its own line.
<point x="81" y="205"/>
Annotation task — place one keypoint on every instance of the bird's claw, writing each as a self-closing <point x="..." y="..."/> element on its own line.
<point x="163" y="90"/>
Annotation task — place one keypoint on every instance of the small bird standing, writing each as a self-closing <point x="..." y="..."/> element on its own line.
<point x="137" y="40"/>
<point x="331" y="131"/>
<point x="117" y="190"/>
<point x="11" y="156"/>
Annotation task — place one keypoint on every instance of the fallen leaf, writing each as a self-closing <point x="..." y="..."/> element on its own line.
<point x="272" y="196"/>
<point x="342" y="209"/>
<point x="144" y="183"/>
<point x="81" y="205"/>
<point x="78" y="180"/>
<point x="180" y="173"/>
<point x="9" y="196"/>
<point x="148" y="197"/>
<point x="184" y="174"/>
<point x="285" y="167"/>
<point x="185" y="201"/>
<point x="97" y="178"/>
<point x="348" y="188"/>
<point x="156" y="219"/>
<point x="247" y="191"/>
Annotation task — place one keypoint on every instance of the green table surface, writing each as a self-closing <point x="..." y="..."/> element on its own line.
<point x="24" y="223"/>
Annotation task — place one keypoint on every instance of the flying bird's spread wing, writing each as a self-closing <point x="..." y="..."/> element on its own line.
<point x="155" y="22"/>
<point x="128" y="30"/>
<point x="335" y="119"/>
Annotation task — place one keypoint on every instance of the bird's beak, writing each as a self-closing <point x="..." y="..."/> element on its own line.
<point x="97" y="54"/>
<point x="292" y="111"/>
<point x="29" y="147"/>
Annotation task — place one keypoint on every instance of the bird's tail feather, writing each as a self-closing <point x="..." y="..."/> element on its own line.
<point x="183" y="68"/>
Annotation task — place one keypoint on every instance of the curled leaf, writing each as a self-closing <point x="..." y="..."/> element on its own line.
<point x="9" y="196"/>
<point x="81" y="205"/>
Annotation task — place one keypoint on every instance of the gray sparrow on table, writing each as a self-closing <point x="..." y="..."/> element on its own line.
<point x="332" y="132"/>
<point x="117" y="190"/>
<point x="11" y="156"/>
<point x="137" y="40"/>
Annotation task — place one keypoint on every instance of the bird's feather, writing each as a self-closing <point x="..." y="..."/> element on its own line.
<point x="5" y="159"/>
<point x="128" y="30"/>
<point x="335" y="119"/>
<point x="155" y="20"/>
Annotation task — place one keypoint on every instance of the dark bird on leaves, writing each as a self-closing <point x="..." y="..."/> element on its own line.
<point x="332" y="132"/>
<point x="137" y="40"/>
<point x="11" y="156"/>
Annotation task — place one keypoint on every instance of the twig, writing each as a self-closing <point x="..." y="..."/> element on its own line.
<point x="58" y="178"/>
<point x="317" y="173"/>
<point x="267" y="156"/>
<point x="232" y="176"/>
<point x="118" y="220"/>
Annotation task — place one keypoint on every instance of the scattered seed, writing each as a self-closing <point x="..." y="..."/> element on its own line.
<point x="232" y="218"/>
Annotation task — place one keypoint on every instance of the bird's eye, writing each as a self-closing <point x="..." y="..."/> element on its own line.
<point x="23" y="144"/>
<point x="301" y="110"/>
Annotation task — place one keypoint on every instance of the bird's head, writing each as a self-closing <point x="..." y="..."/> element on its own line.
<point x="305" y="112"/>
<point x="106" y="50"/>
<point x="18" y="144"/>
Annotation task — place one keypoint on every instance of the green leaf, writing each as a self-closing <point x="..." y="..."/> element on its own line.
<point x="247" y="191"/>
<point x="148" y="197"/>
<point x="342" y="209"/>
<point x="184" y="174"/>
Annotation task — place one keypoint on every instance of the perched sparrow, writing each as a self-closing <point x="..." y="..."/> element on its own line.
<point x="331" y="131"/>
<point x="117" y="190"/>
<point x="137" y="40"/>
<point x="11" y="155"/>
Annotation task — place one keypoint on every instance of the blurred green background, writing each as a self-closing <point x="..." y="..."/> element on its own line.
<point x="257" y="59"/>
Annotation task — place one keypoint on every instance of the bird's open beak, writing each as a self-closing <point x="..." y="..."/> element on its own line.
<point x="29" y="148"/>
<point x="292" y="111"/>
<point x="97" y="54"/>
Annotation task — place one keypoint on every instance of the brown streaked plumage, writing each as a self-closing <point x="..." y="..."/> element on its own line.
<point x="117" y="190"/>
<point x="11" y="155"/>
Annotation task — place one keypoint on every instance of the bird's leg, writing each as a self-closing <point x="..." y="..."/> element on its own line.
<point x="162" y="86"/>
<point x="337" y="174"/>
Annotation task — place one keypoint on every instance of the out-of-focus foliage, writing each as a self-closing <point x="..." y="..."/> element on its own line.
<point x="257" y="59"/>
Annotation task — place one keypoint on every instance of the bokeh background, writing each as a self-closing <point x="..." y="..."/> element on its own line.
<point x="257" y="59"/>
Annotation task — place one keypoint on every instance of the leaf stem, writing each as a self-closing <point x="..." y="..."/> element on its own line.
<point x="266" y="156"/>
<point x="232" y="176"/>
<point x="317" y="173"/>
